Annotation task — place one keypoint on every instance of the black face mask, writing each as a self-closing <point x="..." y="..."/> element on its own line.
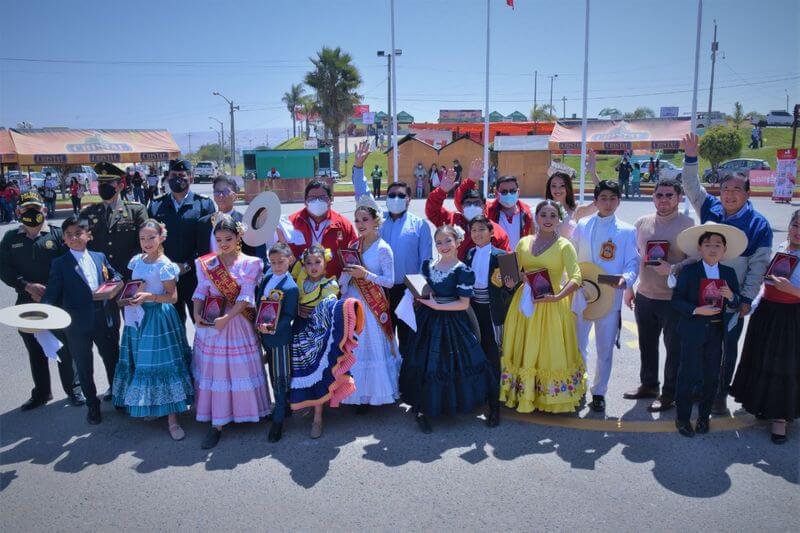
<point x="178" y="184"/>
<point x="32" y="218"/>
<point x="106" y="191"/>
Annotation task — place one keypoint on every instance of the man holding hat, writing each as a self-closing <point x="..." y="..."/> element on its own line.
<point x="224" y="197"/>
<point x="733" y="207"/>
<point x="180" y="210"/>
<point x="114" y="222"/>
<point x="25" y="256"/>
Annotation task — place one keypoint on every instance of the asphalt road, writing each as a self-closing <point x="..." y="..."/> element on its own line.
<point x="378" y="472"/>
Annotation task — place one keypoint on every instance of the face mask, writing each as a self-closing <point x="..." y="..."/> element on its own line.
<point x="472" y="211"/>
<point x="106" y="191"/>
<point x="317" y="207"/>
<point x="396" y="205"/>
<point x="178" y="184"/>
<point x="509" y="199"/>
<point x="32" y="218"/>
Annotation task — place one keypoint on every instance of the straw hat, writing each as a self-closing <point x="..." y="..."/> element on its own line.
<point x="599" y="296"/>
<point x="261" y="218"/>
<point x="34" y="317"/>
<point x="735" y="238"/>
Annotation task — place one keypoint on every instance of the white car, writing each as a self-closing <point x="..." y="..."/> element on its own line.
<point x="779" y="118"/>
<point x="85" y="174"/>
<point x="666" y="170"/>
<point x="205" y="170"/>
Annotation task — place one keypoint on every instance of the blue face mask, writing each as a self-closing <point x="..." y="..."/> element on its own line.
<point x="509" y="199"/>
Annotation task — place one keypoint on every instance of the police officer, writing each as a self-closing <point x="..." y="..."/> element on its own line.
<point x="179" y="210"/>
<point x="114" y="222"/>
<point x="25" y="256"/>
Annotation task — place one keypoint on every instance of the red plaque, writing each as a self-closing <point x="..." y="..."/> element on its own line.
<point x="782" y="266"/>
<point x="655" y="251"/>
<point x="710" y="292"/>
<point x="539" y="281"/>
<point x="213" y="308"/>
<point x="349" y="257"/>
<point x="107" y="290"/>
<point x="130" y="289"/>
<point x="268" y="313"/>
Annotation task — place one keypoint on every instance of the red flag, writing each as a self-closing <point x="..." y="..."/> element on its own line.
<point x="510" y="3"/>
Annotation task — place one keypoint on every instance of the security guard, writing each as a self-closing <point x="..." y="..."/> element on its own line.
<point x="114" y="222"/>
<point x="25" y="256"/>
<point x="179" y="210"/>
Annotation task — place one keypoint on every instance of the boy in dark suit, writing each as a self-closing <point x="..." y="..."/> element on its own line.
<point x="702" y="326"/>
<point x="74" y="277"/>
<point x="278" y="284"/>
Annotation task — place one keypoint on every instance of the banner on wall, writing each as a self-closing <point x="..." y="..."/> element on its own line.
<point x="785" y="175"/>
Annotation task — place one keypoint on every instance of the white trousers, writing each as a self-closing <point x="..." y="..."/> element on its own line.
<point x="605" y="335"/>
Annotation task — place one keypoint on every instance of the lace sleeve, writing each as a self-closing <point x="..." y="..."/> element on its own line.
<point x="251" y="271"/>
<point x="203" y="288"/>
<point x="384" y="278"/>
<point x="168" y="271"/>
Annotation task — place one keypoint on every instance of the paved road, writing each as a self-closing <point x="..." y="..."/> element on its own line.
<point x="377" y="472"/>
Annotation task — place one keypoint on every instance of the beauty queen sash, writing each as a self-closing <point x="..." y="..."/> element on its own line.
<point x="224" y="282"/>
<point x="375" y="298"/>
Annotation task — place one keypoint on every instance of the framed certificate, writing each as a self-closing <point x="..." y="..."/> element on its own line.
<point x="655" y="251"/>
<point x="782" y="266"/>
<point x="710" y="293"/>
<point x="539" y="281"/>
<point x="418" y="285"/>
<point x="130" y="289"/>
<point x="213" y="308"/>
<point x="107" y="290"/>
<point x="268" y="313"/>
<point x="349" y="257"/>
<point x="509" y="266"/>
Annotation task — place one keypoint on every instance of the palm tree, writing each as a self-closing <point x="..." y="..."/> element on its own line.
<point x="543" y="113"/>
<point x="292" y="100"/>
<point x="639" y="113"/>
<point x="335" y="80"/>
<point x="309" y="106"/>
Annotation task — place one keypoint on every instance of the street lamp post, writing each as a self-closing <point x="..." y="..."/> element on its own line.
<point x="388" y="56"/>
<point x="233" y="132"/>
<point x="553" y="77"/>
<point x="221" y="140"/>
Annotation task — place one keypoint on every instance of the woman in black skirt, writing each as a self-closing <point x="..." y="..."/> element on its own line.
<point x="767" y="382"/>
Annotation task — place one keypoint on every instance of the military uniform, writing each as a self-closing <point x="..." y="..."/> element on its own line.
<point x="24" y="260"/>
<point x="115" y="231"/>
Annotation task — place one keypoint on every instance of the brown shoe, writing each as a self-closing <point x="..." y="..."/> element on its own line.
<point x="662" y="403"/>
<point x="641" y="392"/>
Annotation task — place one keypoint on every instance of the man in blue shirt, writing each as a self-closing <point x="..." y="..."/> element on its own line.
<point x="407" y="234"/>
<point x="732" y="207"/>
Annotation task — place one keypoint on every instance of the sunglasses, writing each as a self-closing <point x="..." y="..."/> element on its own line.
<point x="508" y="191"/>
<point x="400" y="195"/>
<point x="668" y="195"/>
<point x="223" y="192"/>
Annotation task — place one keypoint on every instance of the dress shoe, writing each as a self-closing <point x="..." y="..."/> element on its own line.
<point x="34" y="402"/>
<point x="76" y="399"/>
<point x="362" y="409"/>
<point x="702" y="426"/>
<point x="108" y="396"/>
<point x="641" y="392"/>
<point x="720" y="406"/>
<point x="316" y="430"/>
<point x="493" y="419"/>
<point x="93" y="416"/>
<point x="662" y="403"/>
<point x="275" y="432"/>
<point x="211" y="439"/>
<point x="598" y="404"/>
<point x="778" y="439"/>
<point x="684" y="428"/>
<point x="424" y="424"/>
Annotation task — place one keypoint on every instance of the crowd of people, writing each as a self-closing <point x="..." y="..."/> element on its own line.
<point x="362" y="312"/>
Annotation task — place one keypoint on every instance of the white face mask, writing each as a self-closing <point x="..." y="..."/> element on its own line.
<point x="472" y="211"/>
<point x="396" y="205"/>
<point x="317" y="207"/>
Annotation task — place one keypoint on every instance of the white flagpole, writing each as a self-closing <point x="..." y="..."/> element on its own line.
<point x="394" y="102"/>
<point x="486" y="113"/>
<point x="585" y="95"/>
<point x="696" y="64"/>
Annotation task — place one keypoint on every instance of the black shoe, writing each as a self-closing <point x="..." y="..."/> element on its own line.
<point x="493" y="420"/>
<point x="598" y="404"/>
<point x="34" y="402"/>
<point x="720" y="406"/>
<point x="684" y="428"/>
<point x="108" y="396"/>
<point x="702" y="426"/>
<point x="641" y="392"/>
<point x="211" y="439"/>
<point x="93" y="416"/>
<point x="275" y="432"/>
<point x="76" y="399"/>
<point x="778" y="439"/>
<point x="362" y="409"/>
<point x="662" y="403"/>
<point x="424" y="424"/>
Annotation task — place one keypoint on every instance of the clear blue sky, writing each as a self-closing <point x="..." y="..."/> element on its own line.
<point x="150" y="64"/>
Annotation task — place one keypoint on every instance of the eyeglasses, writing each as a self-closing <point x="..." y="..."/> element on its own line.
<point x="476" y="203"/>
<point x="223" y="192"/>
<point x="508" y="191"/>
<point x="667" y="195"/>
<point x="400" y="195"/>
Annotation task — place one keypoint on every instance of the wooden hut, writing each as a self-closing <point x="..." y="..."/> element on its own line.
<point x="411" y="152"/>
<point x="527" y="157"/>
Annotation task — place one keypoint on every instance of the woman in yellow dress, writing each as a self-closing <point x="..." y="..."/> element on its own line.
<point x="542" y="367"/>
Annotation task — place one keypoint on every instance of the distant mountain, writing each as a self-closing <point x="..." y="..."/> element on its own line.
<point x="245" y="139"/>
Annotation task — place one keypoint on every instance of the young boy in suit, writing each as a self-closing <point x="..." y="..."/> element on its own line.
<point x="702" y="325"/>
<point x="74" y="277"/>
<point x="278" y="284"/>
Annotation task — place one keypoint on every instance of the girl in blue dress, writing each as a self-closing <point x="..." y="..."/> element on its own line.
<point x="152" y="377"/>
<point x="444" y="367"/>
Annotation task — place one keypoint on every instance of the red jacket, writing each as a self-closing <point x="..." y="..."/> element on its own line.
<point x="339" y="233"/>
<point x="436" y="213"/>
<point x="494" y="208"/>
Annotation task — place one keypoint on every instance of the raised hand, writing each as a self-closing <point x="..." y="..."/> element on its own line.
<point x="476" y="170"/>
<point x="690" y="141"/>
<point x="362" y="151"/>
<point x="448" y="182"/>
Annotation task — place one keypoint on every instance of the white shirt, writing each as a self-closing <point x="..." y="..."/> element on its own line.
<point x="88" y="268"/>
<point x="712" y="272"/>
<point x="512" y="228"/>
<point x="317" y="230"/>
<point x="480" y="265"/>
<point x="212" y="243"/>
<point x="273" y="282"/>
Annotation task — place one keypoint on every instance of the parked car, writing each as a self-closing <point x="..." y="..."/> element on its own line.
<point x="328" y="173"/>
<point x="735" y="165"/>
<point x="85" y="174"/>
<point x="22" y="178"/>
<point x="36" y="179"/>
<point x="706" y="120"/>
<point x="779" y="118"/>
<point x="666" y="170"/>
<point x="205" y="171"/>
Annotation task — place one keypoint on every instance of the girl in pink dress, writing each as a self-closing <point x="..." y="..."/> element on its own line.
<point x="230" y="383"/>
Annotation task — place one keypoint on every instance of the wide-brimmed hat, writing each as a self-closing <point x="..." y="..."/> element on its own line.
<point x="261" y="218"/>
<point x="35" y="317"/>
<point x="599" y="296"/>
<point x="734" y="237"/>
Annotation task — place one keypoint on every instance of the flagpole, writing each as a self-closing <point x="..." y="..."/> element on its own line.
<point x="696" y="64"/>
<point x="394" y="102"/>
<point x="584" y="121"/>
<point x="486" y="112"/>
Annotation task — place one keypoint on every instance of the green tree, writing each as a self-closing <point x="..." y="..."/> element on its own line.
<point x="543" y="113"/>
<point x="335" y="80"/>
<point x="738" y="115"/>
<point x="292" y="100"/>
<point x="610" y="112"/>
<point x="211" y="152"/>
<point x="720" y="143"/>
<point x="640" y="113"/>
<point x="309" y="105"/>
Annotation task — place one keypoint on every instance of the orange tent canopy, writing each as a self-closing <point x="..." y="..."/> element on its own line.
<point x="7" y="152"/>
<point x="475" y="129"/>
<point x="67" y="146"/>
<point x="618" y="136"/>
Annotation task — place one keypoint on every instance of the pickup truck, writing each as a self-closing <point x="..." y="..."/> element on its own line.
<point x="205" y="171"/>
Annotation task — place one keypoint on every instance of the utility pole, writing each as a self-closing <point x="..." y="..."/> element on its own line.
<point x="535" y="81"/>
<point x="787" y="99"/>
<point x="190" y="142"/>
<point x="553" y="77"/>
<point x="564" y="100"/>
<point x="221" y="140"/>
<point x="388" y="56"/>
<point x="233" y="132"/>
<point x="795" y="123"/>
<point x="714" y="48"/>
